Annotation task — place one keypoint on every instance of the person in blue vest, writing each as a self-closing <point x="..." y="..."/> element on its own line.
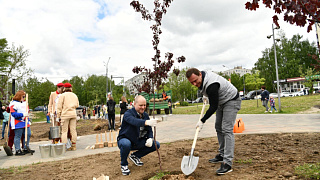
<point x="224" y="100"/>
<point x="136" y="134"/>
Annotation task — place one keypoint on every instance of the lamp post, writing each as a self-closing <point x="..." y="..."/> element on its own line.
<point x="106" y="64"/>
<point x="276" y="63"/>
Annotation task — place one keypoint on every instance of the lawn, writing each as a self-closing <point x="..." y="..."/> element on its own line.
<point x="289" y="105"/>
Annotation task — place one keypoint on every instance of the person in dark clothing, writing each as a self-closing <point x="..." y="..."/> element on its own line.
<point x="136" y="134"/>
<point x="170" y="104"/>
<point x="123" y="106"/>
<point x="111" y="113"/>
<point x="224" y="99"/>
<point x="265" y="97"/>
<point x="1" y="115"/>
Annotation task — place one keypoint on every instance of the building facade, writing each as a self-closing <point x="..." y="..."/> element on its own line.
<point x="237" y="70"/>
<point x="138" y="80"/>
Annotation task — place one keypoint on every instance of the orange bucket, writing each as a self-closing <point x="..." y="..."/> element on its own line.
<point x="238" y="126"/>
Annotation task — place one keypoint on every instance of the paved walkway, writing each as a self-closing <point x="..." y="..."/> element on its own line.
<point x="179" y="127"/>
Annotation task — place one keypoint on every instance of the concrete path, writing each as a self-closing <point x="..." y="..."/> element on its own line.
<point x="179" y="127"/>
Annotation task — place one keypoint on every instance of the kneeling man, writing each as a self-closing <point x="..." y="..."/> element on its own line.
<point x="136" y="134"/>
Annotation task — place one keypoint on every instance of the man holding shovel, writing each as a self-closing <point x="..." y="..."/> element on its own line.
<point x="225" y="101"/>
<point x="136" y="134"/>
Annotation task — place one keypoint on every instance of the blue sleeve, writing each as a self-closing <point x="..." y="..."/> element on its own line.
<point x="17" y="115"/>
<point x="132" y="120"/>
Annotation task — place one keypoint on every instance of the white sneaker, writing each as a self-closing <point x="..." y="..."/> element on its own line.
<point x="266" y="111"/>
<point x="270" y="111"/>
<point x="125" y="170"/>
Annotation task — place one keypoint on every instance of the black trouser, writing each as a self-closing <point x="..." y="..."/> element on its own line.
<point x="111" y="118"/>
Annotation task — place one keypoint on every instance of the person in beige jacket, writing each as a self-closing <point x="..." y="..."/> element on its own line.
<point x="66" y="113"/>
<point x="52" y="101"/>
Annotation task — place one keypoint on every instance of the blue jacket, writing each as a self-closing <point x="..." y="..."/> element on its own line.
<point x="131" y="125"/>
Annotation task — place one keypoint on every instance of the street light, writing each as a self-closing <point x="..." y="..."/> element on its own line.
<point x="276" y="62"/>
<point x="106" y="64"/>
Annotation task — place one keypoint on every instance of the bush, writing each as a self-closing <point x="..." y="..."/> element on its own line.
<point x="184" y="103"/>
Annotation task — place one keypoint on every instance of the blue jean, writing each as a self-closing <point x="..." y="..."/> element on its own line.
<point x="48" y="119"/>
<point x="4" y="124"/>
<point x="126" y="146"/>
<point x="17" y="136"/>
<point x="273" y="108"/>
<point x="225" y="118"/>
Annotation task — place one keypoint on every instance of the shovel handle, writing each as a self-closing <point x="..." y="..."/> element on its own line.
<point x="198" y="129"/>
<point x="26" y="126"/>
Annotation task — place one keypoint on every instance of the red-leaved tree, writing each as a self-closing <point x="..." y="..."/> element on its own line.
<point x="298" y="12"/>
<point x="155" y="77"/>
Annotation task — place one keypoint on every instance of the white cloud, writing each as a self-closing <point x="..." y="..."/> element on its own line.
<point x="76" y="37"/>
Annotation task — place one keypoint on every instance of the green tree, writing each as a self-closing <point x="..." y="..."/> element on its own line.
<point x="38" y="92"/>
<point x="15" y="65"/>
<point x="290" y="55"/>
<point x="237" y="81"/>
<point x="95" y="88"/>
<point x="4" y="54"/>
<point x="309" y="79"/>
<point x="181" y="88"/>
<point x="253" y="81"/>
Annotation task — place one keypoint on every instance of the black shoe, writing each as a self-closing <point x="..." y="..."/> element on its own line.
<point x="224" y="169"/>
<point x="135" y="160"/>
<point x="26" y="151"/>
<point x="125" y="170"/>
<point x="2" y="138"/>
<point x="19" y="153"/>
<point x="217" y="159"/>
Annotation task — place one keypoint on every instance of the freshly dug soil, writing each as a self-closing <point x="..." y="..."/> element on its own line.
<point x="257" y="156"/>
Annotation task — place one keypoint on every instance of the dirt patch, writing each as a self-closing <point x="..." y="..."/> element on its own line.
<point x="257" y="156"/>
<point x="313" y="110"/>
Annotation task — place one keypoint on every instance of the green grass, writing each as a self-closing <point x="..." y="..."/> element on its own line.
<point x="241" y="161"/>
<point x="159" y="175"/>
<point x="308" y="171"/>
<point x="289" y="105"/>
<point x="39" y="116"/>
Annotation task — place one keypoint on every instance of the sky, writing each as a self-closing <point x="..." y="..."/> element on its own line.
<point x="85" y="37"/>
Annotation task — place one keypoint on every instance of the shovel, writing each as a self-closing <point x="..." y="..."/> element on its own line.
<point x="26" y="127"/>
<point x="5" y="146"/>
<point x="189" y="163"/>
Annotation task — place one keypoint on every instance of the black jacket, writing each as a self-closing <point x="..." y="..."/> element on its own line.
<point x="264" y="95"/>
<point x="123" y="107"/>
<point x="111" y="107"/>
<point x="1" y="115"/>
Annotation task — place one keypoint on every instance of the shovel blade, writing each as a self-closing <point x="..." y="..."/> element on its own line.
<point x="7" y="149"/>
<point x="189" y="165"/>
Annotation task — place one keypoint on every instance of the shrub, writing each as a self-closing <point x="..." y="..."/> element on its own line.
<point x="184" y="103"/>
